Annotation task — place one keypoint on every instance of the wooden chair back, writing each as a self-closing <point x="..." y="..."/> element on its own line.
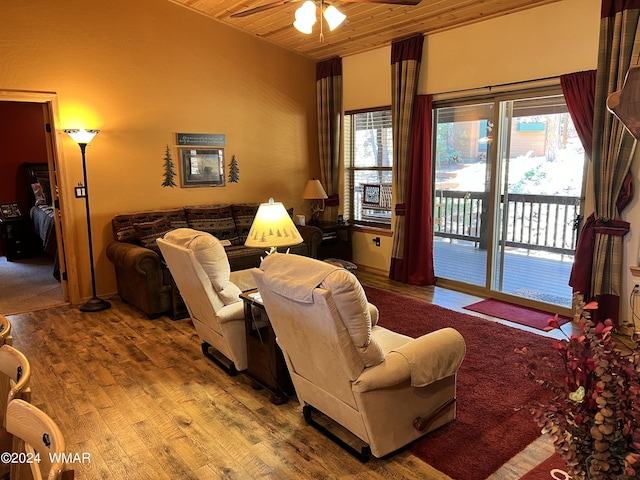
<point x="5" y="331"/>
<point x="35" y="433"/>
<point x="15" y="375"/>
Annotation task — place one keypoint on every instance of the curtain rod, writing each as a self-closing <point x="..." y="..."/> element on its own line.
<point x="499" y="85"/>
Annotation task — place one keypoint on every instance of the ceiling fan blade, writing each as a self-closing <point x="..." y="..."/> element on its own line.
<point x="262" y="8"/>
<point x="390" y="2"/>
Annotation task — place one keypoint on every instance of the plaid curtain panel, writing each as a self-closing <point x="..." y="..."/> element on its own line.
<point x="329" y="110"/>
<point x="613" y="145"/>
<point x="406" y="55"/>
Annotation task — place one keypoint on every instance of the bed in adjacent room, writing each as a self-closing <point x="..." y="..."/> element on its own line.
<point x="41" y="210"/>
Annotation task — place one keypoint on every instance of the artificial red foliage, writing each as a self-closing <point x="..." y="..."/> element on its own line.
<point x="593" y="419"/>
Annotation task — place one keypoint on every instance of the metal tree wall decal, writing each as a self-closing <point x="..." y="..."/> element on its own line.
<point x="169" y="172"/>
<point x="234" y="171"/>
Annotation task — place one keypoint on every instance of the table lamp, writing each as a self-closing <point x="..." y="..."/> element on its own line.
<point x="314" y="192"/>
<point x="272" y="227"/>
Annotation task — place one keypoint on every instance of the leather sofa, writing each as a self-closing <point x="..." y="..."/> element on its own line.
<point x="142" y="276"/>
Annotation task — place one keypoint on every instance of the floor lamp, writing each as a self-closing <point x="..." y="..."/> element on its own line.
<point x="82" y="138"/>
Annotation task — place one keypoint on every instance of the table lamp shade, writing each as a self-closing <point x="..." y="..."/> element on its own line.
<point x="314" y="191"/>
<point x="272" y="227"/>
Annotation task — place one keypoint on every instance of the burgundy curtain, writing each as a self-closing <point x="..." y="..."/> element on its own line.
<point x="418" y="238"/>
<point x="579" y="93"/>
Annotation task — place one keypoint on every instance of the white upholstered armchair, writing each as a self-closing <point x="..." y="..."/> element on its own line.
<point x="386" y="388"/>
<point x="200" y="267"/>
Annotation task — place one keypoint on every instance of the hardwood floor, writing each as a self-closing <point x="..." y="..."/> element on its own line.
<point x="141" y="400"/>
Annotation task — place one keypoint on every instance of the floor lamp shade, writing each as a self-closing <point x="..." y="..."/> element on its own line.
<point x="82" y="138"/>
<point x="272" y="227"/>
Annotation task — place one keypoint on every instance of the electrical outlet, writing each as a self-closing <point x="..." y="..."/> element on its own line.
<point x="636" y="289"/>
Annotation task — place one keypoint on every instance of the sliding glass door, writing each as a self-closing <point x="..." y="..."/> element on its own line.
<point x="462" y="185"/>
<point x="508" y="188"/>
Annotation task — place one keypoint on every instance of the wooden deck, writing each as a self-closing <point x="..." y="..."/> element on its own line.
<point x="537" y="276"/>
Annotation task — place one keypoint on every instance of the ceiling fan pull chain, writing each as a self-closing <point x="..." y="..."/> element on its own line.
<point x="321" y="22"/>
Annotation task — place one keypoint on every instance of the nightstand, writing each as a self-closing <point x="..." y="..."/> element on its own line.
<point x="16" y="238"/>
<point x="336" y="241"/>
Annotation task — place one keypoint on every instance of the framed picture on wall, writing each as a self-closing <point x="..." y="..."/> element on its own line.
<point x="9" y="210"/>
<point x="202" y="167"/>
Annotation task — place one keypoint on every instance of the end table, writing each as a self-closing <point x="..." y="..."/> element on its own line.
<point x="265" y="360"/>
<point x="16" y="234"/>
<point x="336" y="241"/>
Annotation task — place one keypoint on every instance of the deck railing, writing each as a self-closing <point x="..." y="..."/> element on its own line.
<point x="533" y="222"/>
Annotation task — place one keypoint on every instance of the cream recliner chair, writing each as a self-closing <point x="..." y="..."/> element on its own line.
<point x="386" y="388"/>
<point x="200" y="267"/>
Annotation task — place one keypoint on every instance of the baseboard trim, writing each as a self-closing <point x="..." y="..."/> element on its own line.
<point x="376" y="271"/>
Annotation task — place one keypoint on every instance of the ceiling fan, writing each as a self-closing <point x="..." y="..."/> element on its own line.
<point x="306" y="15"/>
<point x="281" y="3"/>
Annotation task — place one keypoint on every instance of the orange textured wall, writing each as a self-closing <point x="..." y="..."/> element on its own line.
<point x="140" y="72"/>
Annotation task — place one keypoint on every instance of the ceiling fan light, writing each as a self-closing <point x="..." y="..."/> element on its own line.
<point x="333" y="16"/>
<point x="305" y="17"/>
<point x="307" y="12"/>
<point x="303" y="27"/>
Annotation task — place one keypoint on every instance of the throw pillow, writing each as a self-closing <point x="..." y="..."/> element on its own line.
<point x="46" y="189"/>
<point x="243" y="215"/>
<point x="216" y="220"/>
<point x="123" y="224"/>
<point x="149" y="232"/>
<point x="39" y="194"/>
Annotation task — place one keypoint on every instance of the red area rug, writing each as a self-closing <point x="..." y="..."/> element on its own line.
<point x="515" y="313"/>
<point x="493" y="391"/>
<point x="552" y="468"/>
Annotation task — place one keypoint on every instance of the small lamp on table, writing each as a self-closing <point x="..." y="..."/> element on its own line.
<point x="314" y="192"/>
<point x="272" y="227"/>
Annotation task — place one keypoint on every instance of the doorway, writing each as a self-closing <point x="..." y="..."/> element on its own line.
<point x="508" y="187"/>
<point x="31" y="276"/>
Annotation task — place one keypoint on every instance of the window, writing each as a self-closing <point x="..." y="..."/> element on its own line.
<point x="368" y="167"/>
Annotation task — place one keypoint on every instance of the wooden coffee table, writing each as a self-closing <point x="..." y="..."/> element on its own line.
<point x="265" y="362"/>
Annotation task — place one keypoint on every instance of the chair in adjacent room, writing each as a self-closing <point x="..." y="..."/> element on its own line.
<point x="200" y="267"/>
<point x="35" y="433"/>
<point x="385" y="388"/>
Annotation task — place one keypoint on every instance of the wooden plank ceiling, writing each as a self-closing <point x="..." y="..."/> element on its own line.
<point x="368" y="26"/>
